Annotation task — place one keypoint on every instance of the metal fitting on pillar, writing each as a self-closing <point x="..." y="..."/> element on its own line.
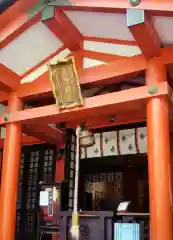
<point x="152" y="90"/>
<point x="6" y="118"/>
<point x="134" y="2"/>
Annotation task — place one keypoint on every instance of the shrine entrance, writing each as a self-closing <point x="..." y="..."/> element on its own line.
<point x="113" y="170"/>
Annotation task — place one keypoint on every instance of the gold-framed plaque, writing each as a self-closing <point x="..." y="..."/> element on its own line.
<point x="65" y="85"/>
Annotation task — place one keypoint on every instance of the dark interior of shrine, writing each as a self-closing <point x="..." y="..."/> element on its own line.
<point x="106" y="182"/>
<point x="112" y="171"/>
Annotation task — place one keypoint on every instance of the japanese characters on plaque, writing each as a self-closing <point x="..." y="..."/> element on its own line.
<point x="121" y="142"/>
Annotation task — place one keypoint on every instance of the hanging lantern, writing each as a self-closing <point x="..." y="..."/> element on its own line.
<point x="86" y="137"/>
<point x="65" y="85"/>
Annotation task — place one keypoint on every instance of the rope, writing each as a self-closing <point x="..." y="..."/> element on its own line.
<point x="75" y="216"/>
<point x="76" y="183"/>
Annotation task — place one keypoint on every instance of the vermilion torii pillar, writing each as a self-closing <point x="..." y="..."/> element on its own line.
<point x="10" y="173"/>
<point x="159" y="158"/>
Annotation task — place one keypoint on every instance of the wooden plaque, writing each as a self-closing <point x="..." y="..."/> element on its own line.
<point x="65" y="85"/>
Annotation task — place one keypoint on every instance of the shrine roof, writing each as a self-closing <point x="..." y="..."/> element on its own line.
<point x="34" y="33"/>
<point x="28" y="43"/>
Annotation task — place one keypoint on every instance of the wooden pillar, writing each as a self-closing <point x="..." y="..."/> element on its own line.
<point x="159" y="158"/>
<point x="10" y="173"/>
<point x="0" y="169"/>
<point x="171" y="146"/>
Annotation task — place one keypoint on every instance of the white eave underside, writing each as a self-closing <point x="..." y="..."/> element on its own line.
<point x="38" y="43"/>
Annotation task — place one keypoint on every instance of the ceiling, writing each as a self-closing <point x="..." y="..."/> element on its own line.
<point x="37" y="43"/>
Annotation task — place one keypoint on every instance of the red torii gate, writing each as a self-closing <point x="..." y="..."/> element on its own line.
<point x="152" y="102"/>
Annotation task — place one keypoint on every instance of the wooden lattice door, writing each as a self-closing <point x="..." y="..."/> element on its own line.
<point x="37" y="164"/>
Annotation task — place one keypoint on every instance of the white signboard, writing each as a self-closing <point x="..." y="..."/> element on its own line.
<point x="44" y="198"/>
